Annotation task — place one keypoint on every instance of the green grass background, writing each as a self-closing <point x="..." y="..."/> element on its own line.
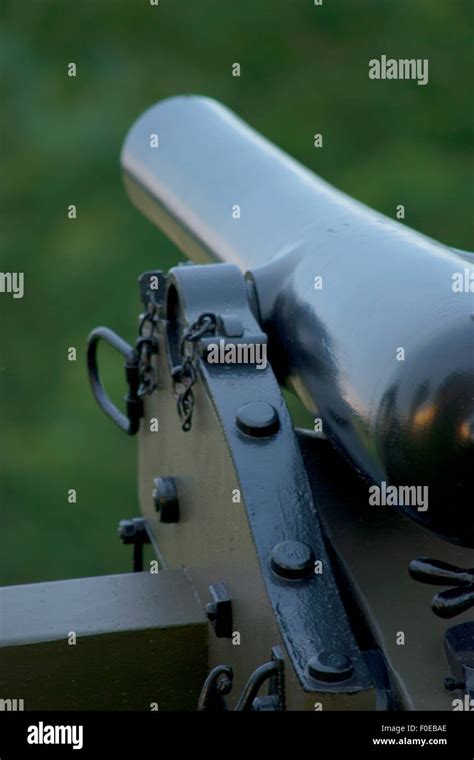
<point x="304" y="70"/>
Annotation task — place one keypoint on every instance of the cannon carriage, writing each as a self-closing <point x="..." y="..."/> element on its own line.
<point x="278" y="581"/>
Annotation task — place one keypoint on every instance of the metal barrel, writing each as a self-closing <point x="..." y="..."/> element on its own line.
<point x="369" y="321"/>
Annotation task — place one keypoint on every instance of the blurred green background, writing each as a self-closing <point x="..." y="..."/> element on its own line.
<point x="304" y="70"/>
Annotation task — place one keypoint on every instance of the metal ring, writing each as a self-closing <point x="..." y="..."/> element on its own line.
<point x="128" y="423"/>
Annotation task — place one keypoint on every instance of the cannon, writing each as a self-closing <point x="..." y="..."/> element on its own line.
<point x="363" y="316"/>
<point x="290" y="566"/>
<point x="305" y="547"/>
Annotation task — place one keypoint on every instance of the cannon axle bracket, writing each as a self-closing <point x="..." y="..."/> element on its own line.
<point x="276" y="495"/>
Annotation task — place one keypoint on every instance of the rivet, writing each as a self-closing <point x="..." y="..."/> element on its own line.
<point x="258" y="419"/>
<point x="330" y="666"/>
<point x="293" y="560"/>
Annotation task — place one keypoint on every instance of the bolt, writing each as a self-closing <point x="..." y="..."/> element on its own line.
<point x="292" y="560"/>
<point x="330" y="666"/>
<point x="258" y="419"/>
<point x="133" y="530"/>
<point x="126" y="529"/>
<point x="165" y="498"/>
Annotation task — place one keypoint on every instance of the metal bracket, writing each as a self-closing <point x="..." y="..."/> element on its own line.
<point x="281" y="513"/>
<point x="219" y="611"/>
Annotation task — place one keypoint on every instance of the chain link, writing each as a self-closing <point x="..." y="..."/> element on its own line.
<point x="146" y="346"/>
<point x="185" y="375"/>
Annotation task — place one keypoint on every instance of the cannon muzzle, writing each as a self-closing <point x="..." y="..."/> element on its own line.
<point x="370" y="322"/>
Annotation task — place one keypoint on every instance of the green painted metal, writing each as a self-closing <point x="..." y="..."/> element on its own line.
<point x="140" y="643"/>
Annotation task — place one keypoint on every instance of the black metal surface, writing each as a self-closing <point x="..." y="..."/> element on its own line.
<point x="401" y="423"/>
<point x="273" y="481"/>
<point x="165" y="498"/>
<point x="371" y="550"/>
<point x="219" y="611"/>
<point x="384" y="287"/>
<point x="454" y="601"/>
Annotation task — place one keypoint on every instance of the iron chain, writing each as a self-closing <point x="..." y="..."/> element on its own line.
<point x="185" y="376"/>
<point x="146" y="346"/>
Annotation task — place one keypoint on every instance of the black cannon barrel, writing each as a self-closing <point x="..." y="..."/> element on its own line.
<point x="370" y="322"/>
